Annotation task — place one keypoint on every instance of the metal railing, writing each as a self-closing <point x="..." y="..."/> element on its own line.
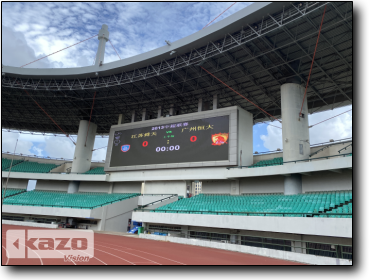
<point x="70" y="207"/>
<point x="345" y="148"/>
<point x="265" y="214"/>
<point x="293" y="161"/>
<point x="157" y="201"/>
<point x="258" y="241"/>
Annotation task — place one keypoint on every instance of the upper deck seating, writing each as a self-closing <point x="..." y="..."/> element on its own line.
<point x="271" y="162"/>
<point x="10" y="192"/>
<point x="67" y="200"/>
<point x="279" y="204"/>
<point x="33" y="167"/>
<point x="97" y="170"/>
<point x="5" y="163"/>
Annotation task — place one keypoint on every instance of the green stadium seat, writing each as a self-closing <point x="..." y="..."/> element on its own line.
<point x="96" y="171"/>
<point x="66" y="200"/>
<point x="31" y="167"/>
<point x="279" y="204"/>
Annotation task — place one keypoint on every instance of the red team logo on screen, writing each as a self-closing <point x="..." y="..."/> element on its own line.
<point x="125" y="148"/>
<point x="219" y="139"/>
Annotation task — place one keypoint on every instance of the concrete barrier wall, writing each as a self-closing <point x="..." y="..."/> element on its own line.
<point x="28" y="224"/>
<point x="335" y="227"/>
<point x="284" y="255"/>
<point x="48" y="211"/>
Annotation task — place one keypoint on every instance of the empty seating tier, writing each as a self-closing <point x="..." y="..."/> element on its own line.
<point x="5" y="163"/>
<point x="261" y="204"/>
<point x="271" y="162"/>
<point x="33" y="167"/>
<point x="97" y="170"/>
<point x="11" y="192"/>
<point x="67" y="200"/>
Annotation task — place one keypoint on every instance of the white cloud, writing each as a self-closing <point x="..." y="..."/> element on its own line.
<point x="9" y="140"/>
<point x="337" y="128"/>
<point x="59" y="147"/>
<point x="43" y="28"/>
<point x="273" y="139"/>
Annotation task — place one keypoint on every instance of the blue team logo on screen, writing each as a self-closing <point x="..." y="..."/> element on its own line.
<point x="125" y="148"/>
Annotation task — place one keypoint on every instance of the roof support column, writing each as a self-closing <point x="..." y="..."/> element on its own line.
<point x="83" y="151"/>
<point x="103" y="38"/>
<point x="296" y="145"/>
<point x="200" y="105"/>
<point x="121" y="118"/>
<point x="159" y="112"/>
<point x="133" y="116"/>
<point x="172" y="109"/>
<point x="143" y="115"/>
<point x="215" y="101"/>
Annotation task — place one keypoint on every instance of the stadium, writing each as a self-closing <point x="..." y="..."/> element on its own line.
<point x="193" y="178"/>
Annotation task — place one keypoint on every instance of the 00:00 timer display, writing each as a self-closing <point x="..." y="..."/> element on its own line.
<point x="170" y="148"/>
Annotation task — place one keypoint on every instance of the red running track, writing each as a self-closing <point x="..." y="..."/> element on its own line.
<point x="121" y="250"/>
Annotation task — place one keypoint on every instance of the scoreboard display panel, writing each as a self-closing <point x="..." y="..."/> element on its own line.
<point x="176" y="142"/>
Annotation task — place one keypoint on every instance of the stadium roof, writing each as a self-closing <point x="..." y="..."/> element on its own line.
<point x="254" y="51"/>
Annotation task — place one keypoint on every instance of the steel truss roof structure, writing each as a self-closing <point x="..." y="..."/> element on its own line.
<point x="255" y="59"/>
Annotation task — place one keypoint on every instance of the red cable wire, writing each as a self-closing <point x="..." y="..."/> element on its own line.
<point x="329" y="118"/>
<point x="59" y="50"/>
<point x="218" y="16"/>
<point x="87" y="133"/>
<point x="114" y="49"/>
<point x="240" y="95"/>
<point x="50" y="117"/>
<point x="99" y="148"/>
<point x="313" y="58"/>
<point x="273" y="125"/>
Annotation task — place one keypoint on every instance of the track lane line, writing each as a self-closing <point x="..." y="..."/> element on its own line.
<point x="35" y="252"/>
<point x="146" y="253"/>
<point x="7" y="254"/>
<point x="28" y="248"/>
<point x="128" y="253"/>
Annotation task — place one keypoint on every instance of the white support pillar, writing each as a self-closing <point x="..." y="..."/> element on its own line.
<point x="143" y="116"/>
<point x="143" y="188"/>
<point x="215" y="101"/>
<point x="84" y="147"/>
<point x="133" y="116"/>
<point x="200" y="105"/>
<point x="235" y="187"/>
<point x="103" y="38"/>
<point x="172" y="110"/>
<point x="121" y="118"/>
<point x="159" y="112"/>
<point x="83" y="152"/>
<point x="296" y="136"/>
<point x="73" y="186"/>
<point x="293" y="184"/>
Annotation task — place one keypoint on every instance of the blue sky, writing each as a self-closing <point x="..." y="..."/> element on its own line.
<point x="31" y="30"/>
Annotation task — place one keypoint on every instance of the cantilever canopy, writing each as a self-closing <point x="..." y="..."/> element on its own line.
<point x="254" y="51"/>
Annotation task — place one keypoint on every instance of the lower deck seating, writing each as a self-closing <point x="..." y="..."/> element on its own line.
<point x="5" y="163"/>
<point x="97" y="170"/>
<point x="11" y="192"/>
<point x="67" y="200"/>
<point x="33" y="167"/>
<point x="261" y="204"/>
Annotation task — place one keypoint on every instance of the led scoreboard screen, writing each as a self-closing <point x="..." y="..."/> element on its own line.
<point x="177" y="142"/>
